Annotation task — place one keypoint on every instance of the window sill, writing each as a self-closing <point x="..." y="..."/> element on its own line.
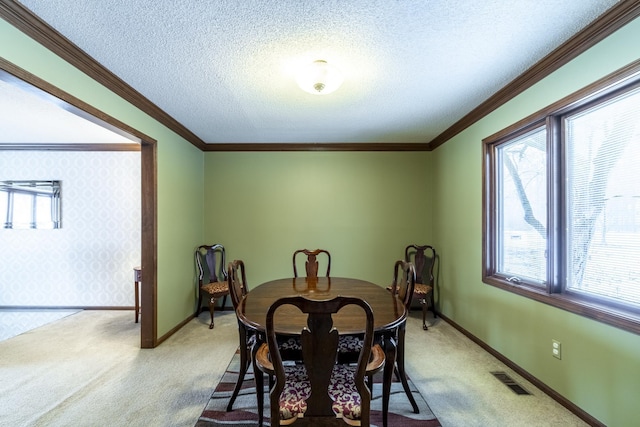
<point x="622" y="318"/>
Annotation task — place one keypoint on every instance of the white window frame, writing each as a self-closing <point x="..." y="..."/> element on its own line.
<point x="33" y="190"/>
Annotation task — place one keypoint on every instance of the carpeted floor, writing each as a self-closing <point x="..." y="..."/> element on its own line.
<point x="14" y="322"/>
<point x="88" y="370"/>
<point x="245" y="414"/>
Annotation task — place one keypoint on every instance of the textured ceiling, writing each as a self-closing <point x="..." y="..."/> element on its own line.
<point x="225" y="69"/>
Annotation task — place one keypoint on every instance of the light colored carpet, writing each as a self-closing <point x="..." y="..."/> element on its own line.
<point x="17" y="321"/>
<point x="88" y="370"/>
<point x="454" y="376"/>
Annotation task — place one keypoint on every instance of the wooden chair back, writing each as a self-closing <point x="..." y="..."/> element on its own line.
<point x="424" y="259"/>
<point x="210" y="260"/>
<point x="311" y="264"/>
<point x="404" y="281"/>
<point x="319" y="341"/>
<point x="237" y="282"/>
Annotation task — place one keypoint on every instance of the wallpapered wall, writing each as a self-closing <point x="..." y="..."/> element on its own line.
<point x="90" y="260"/>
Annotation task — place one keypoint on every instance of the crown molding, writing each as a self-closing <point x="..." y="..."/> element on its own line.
<point x="608" y="23"/>
<point x="70" y="147"/>
<point x="20" y="17"/>
<point x="306" y="146"/>
<point x="34" y="27"/>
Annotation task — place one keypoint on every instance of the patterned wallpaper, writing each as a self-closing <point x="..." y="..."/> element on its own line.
<point x="90" y="260"/>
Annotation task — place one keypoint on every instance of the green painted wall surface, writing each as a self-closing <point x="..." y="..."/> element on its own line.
<point x="363" y="207"/>
<point x="600" y="368"/>
<point x="180" y="172"/>
<point x="180" y="229"/>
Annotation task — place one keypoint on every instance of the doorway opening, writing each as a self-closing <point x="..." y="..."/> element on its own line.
<point x="137" y="141"/>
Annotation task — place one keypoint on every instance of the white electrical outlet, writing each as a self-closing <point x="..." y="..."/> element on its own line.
<point x="556" y="349"/>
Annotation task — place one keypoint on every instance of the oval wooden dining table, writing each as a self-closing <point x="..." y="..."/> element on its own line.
<point x="388" y="311"/>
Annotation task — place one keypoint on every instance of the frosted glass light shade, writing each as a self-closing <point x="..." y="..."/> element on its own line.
<point x="319" y="78"/>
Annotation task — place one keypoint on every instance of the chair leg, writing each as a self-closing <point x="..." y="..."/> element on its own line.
<point x="258" y="378"/>
<point x="212" y="304"/>
<point x="399" y="368"/>
<point x="423" y="303"/>
<point x="244" y="366"/>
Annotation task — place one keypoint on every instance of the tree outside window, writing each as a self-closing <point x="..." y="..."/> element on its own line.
<point x="562" y="205"/>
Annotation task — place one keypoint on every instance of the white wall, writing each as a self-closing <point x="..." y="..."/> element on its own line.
<point x="90" y="260"/>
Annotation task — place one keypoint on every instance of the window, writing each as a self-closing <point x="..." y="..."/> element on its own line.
<point x="562" y="203"/>
<point x="522" y="219"/>
<point x="30" y="204"/>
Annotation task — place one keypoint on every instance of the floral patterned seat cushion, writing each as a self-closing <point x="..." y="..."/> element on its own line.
<point x="251" y="338"/>
<point x="421" y="289"/>
<point x="289" y="343"/>
<point x="350" y="344"/>
<point x="342" y="390"/>
<point x="297" y="389"/>
<point x="346" y="344"/>
<point x="216" y="288"/>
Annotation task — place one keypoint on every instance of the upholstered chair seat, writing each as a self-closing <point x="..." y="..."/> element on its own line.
<point x="342" y="390"/>
<point x="422" y="290"/>
<point x="216" y="289"/>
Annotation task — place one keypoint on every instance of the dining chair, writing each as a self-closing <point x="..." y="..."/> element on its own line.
<point x="403" y="286"/>
<point x="212" y="277"/>
<point x="238" y="289"/>
<point x="311" y="264"/>
<point x="349" y="345"/>
<point x="424" y="259"/>
<point x="319" y="390"/>
<point x="237" y="280"/>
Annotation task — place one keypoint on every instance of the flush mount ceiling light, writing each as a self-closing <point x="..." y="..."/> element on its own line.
<point x="319" y="78"/>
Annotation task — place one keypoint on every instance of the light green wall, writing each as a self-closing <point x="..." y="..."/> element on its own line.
<point x="600" y="367"/>
<point x="180" y="229"/>
<point x="180" y="172"/>
<point x="364" y="207"/>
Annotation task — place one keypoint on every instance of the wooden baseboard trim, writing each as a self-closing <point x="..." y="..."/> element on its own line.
<point x="184" y="322"/>
<point x="533" y="380"/>
<point x="173" y="330"/>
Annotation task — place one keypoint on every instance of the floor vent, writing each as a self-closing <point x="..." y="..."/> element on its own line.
<point x="509" y="382"/>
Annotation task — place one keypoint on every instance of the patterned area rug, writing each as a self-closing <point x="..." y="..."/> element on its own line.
<point x="245" y="413"/>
